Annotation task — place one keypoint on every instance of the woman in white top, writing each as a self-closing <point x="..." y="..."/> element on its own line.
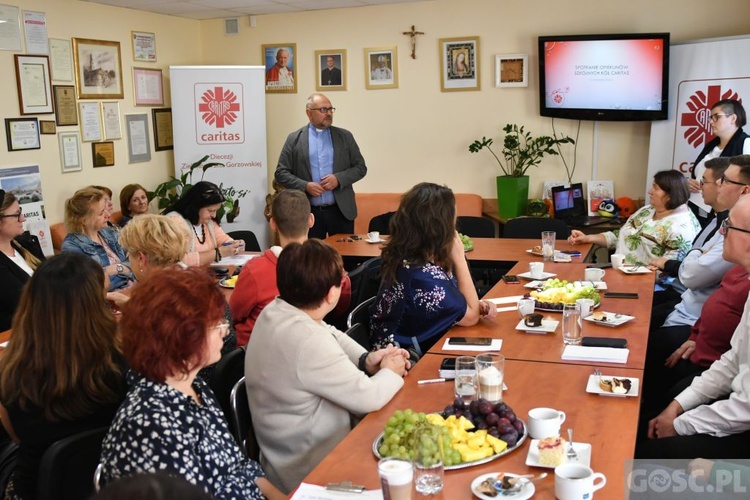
<point x="20" y="255"/>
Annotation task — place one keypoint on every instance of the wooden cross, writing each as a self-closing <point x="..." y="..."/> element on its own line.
<point x="413" y="34"/>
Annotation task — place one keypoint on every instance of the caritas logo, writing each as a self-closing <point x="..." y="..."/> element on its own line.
<point x="697" y="120"/>
<point x="218" y="113"/>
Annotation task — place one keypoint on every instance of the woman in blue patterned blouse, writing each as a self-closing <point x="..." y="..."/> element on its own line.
<point x="427" y="287"/>
<point x="171" y="328"/>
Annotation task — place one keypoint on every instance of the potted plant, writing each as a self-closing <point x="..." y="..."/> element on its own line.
<point x="170" y="191"/>
<point x="520" y="152"/>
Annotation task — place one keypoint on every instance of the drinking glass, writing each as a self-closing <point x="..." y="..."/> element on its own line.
<point x="396" y="478"/>
<point x="490" y="371"/>
<point x="548" y="245"/>
<point x="429" y="462"/>
<point x="571" y="324"/>
<point x="465" y="381"/>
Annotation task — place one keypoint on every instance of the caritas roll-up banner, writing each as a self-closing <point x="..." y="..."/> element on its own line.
<point x="220" y="111"/>
<point x="701" y="73"/>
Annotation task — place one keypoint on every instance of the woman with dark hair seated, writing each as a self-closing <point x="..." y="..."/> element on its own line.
<point x="171" y="328"/>
<point x="427" y="287"/>
<point x="62" y="372"/>
<point x="20" y="255"/>
<point x="196" y="210"/>
<point x="305" y="378"/>
<point x="133" y="202"/>
<point x="664" y="228"/>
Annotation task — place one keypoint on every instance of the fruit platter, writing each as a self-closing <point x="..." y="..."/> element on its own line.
<point x="468" y="244"/>
<point x="555" y="293"/>
<point x="469" y="436"/>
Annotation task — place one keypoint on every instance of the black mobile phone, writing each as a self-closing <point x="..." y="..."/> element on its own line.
<point x="355" y="237"/>
<point x="448" y="364"/>
<point x="511" y="279"/>
<point x="620" y="295"/>
<point x="617" y="343"/>
<point x="469" y="341"/>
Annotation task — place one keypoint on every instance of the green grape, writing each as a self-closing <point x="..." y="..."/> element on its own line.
<point x="384" y="450"/>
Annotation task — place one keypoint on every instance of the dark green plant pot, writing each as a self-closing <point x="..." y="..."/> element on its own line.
<point x="512" y="196"/>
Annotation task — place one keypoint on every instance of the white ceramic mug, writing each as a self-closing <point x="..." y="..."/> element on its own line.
<point x="545" y="422"/>
<point x="576" y="481"/>
<point x="586" y="306"/>
<point x="536" y="270"/>
<point x="617" y="260"/>
<point x="373" y="235"/>
<point x="593" y="274"/>
<point x="525" y="307"/>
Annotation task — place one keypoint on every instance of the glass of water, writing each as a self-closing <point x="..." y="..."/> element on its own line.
<point x="571" y="324"/>
<point x="465" y="381"/>
<point x="429" y="462"/>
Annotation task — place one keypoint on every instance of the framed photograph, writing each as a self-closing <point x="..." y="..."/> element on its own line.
<point x="47" y="127"/>
<point x="22" y="134"/>
<point x="139" y="147"/>
<point x="511" y="70"/>
<point x="144" y="46"/>
<point x="103" y="154"/>
<point x="330" y="66"/>
<point x="98" y="69"/>
<point x="111" y="120"/>
<point x="91" y="121"/>
<point x="381" y="68"/>
<point x="34" y="84"/>
<point x="280" y="60"/>
<point x="459" y="64"/>
<point x="70" y="151"/>
<point x="66" y="112"/>
<point x="162" y="119"/>
<point x="147" y="87"/>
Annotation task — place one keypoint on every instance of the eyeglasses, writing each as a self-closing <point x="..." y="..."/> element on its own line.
<point x="725" y="227"/>
<point x="223" y="326"/>
<point x="324" y="110"/>
<point x="730" y="181"/>
<point x="715" y="117"/>
<point x="17" y="215"/>
<point x="703" y="181"/>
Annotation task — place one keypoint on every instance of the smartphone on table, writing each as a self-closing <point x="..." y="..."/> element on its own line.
<point x="511" y="279"/>
<point x="478" y="341"/>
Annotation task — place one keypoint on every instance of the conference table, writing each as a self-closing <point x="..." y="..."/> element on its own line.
<point x="535" y="374"/>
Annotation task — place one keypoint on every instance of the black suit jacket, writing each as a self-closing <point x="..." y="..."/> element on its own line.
<point x="330" y="77"/>
<point x="13" y="279"/>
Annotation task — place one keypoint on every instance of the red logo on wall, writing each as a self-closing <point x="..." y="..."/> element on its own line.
<point x="219" y="107"/>
<point x="697" y="121"/>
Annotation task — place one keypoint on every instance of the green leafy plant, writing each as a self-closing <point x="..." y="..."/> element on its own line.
<point x="520" y="149"/>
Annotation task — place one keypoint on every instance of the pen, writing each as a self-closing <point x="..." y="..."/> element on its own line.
<point x="227" y="243"/>
<point x="431" y="381"/>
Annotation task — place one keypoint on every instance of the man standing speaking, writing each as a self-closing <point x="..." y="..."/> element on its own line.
<point x="324" y="161"/>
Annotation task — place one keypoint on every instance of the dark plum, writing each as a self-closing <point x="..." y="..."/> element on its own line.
<point x="458" y="404"/>
<point x="519" y="427"/>
<point x="505" y="428"/>
<point x="503" y="421"/>
<point x="482" y="425"/>
<point x="485" y="408"/>
<point x="459" y="413"/>
<point x="492" y="431"/>
<point x="449" y="410"/>
<point x="511" y="439"/>
<point x="499" y="407"/>
<point x="492" y="419"/>
<point x="474" y="407"/>
<point x="510" y="416"/>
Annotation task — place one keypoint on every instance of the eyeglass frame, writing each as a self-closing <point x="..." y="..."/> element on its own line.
<point x="324" y="110"/>
<point x="704" y="182"/>
<point x="724" y="179"/>
<point x="17" y="215"/>
<point x="725" y="227"/>
<point x="715" y="117"/>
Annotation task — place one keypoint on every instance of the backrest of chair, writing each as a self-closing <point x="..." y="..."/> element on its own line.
<point x="361" y="314"/>
<point x="371" y="279"/>
<point x="381" y="223"/>
<point x="360" y="334"/>
<point x="58" y="232"/>
<point x="532" y="227"/>
<point x="251" y="241"/>
<point x="68" y="465"/>
<point x="241" y="421"/>
<point x="475" y="227"/>
<point x="229" y="369"/>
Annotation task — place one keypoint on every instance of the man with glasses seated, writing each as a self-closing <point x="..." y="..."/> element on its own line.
<point x="323" y="161"/>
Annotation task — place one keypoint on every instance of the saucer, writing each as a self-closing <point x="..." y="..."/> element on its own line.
<point x="582" y="449"/>
<point x="548" y="326"/>
<point x="592" y="386"/>
<point x="379" y="240"/>
<point x="635" y="269"/>
<point x="527" y="491"/>
<point x="527" y="276"/>
<point x="598" y="285"/>
<point x="612" y="320"/>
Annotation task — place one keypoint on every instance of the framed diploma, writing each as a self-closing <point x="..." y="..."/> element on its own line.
<point x="47" y="127"/>
<point x="66" y="112"/>
<point x="61" y="59"/>
<point x="70" y="151"/>
<point x="91" y="123"/>
<point x="22" y="134"/>
<point x="162" y="118"/>
<point x="98" y="69"/>
<point x="147" y="87"/>
<point x="139" y="147"/>
<point x="34" y="87"/>
<point x="144" y="46"/>
<point x="103" y="154"/>
<point x="111" y="120"/>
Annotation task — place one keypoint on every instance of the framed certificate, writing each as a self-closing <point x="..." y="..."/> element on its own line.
<point x="147" y="87"/>
<point x="22" y="134"/>
<point x="139" y="147"/>
<point x="144" y="46"/>
<point x="70" y="151"/>
<point x="34" y="87"/>
<point x="163" y="139"/>
<point x="103" y="154"/>
<point x="66" y="112"/>
<point x="111" y="120"/>
<point x="91" y="123"/>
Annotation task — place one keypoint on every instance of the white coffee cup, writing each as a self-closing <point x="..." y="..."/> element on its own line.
<point x="373" y="236"/>
<point x="586" y="306"/>
<point x="536" y="270"/>
<point x="525" y="307"/>
<point x="396" y="478"/>
<point x="593" y="274"/>
<point x="545" y="422"/>
<point x="576" y="481"/>
<point x="617" y="260"/>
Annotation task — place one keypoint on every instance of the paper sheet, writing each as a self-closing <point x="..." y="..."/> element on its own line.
<point x="505" y="300"/>
<point x="307" y="491"/>
<point x="235" y="260"/>
<point x="601" y="354"/>
<point x="494" y="346"/>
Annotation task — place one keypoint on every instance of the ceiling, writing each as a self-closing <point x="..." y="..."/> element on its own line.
<point x="214" y="9"/>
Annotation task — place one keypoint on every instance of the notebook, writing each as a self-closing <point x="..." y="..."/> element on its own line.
<point x="570" y="207"/>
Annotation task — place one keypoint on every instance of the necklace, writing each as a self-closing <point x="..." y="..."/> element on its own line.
<point x="202" y="238"/>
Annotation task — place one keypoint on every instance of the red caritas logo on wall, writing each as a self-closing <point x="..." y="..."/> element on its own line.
<point x="218" y="113"/>
<point x="694" y="101"/>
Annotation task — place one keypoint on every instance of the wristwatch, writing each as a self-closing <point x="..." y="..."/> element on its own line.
<point x="120" y="269"/>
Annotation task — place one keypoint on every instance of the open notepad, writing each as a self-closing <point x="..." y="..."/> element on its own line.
<point x="602" y="354"/>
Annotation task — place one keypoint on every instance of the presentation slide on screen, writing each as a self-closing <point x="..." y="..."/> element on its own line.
<point x="604" y="74"/>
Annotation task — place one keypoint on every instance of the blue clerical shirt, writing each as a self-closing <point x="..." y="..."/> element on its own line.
<point x="321" y="161"/>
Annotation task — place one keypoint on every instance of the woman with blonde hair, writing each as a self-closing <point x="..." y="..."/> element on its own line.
<point x="20" y="256"/>
<point x="62" y="373"/>
<point x="153" y="242"/>
<point x="86" y="217"/>
<point x="133" y="201"/>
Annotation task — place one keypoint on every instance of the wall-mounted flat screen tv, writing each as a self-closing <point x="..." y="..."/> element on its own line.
<point x="621" y="77"/>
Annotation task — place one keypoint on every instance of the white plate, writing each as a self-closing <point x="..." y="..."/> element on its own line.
<point x="593" y="386"/>
<point x="545" y="275"/>
<point x="548" y="326"/>
<point x="225" y="285"/>
<point x="379" y="240"/>
<point x="527" y="491"/>
<point x="635" y="269"/>
<point x="532" y="252"/>
<point x="583" y="450"/>
<point x="611" y="319"/>
<point x="598" y="285"/>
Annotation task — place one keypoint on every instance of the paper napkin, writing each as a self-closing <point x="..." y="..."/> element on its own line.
<point x="601" y="354"/>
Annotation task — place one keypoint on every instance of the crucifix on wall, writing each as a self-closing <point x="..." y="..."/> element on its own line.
<point x="413" y="34"/>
